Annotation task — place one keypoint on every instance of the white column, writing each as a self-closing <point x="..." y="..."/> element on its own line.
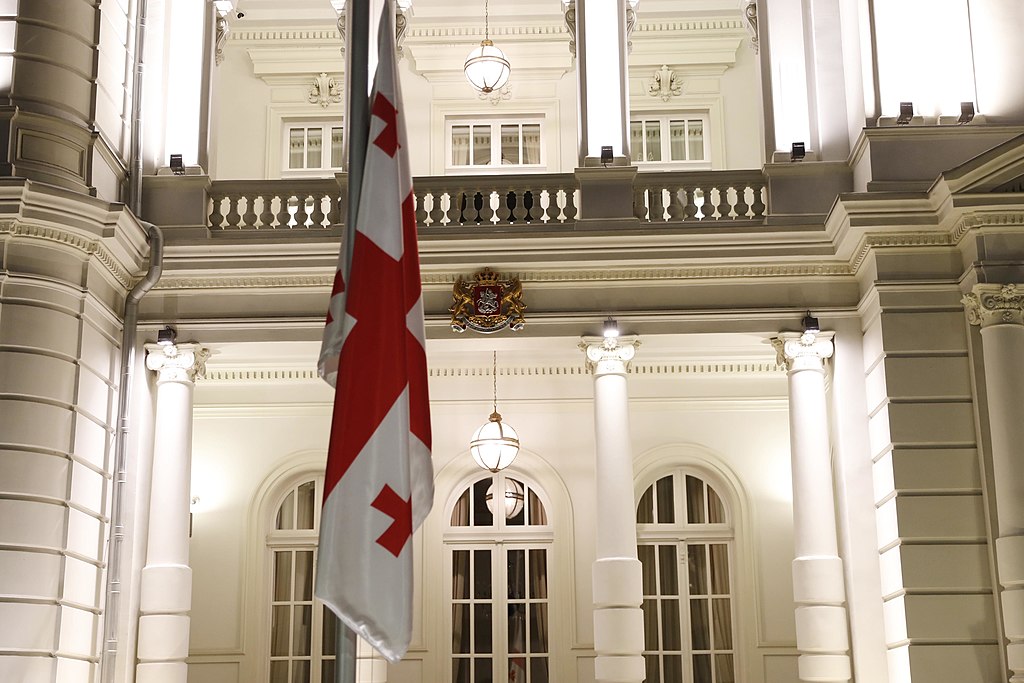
<point x="999" y="310"/>
<point x="818" y="587"/>
<point x="601" y="73"/>
<point x="166" y="594"/>
<point x="618" y="587"/>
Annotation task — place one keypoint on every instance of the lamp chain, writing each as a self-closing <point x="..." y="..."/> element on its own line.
<point x="487" y="24"/>
<point x="494" y="378"/>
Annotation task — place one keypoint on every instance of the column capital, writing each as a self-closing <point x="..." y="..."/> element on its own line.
<point x="182" y="363"/>
<point x="993" y="304"/>
<point x="803" y="350"/>
<point x="609" y="356"/>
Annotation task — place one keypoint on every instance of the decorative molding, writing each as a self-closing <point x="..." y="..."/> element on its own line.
<point x="665" y="84"/>
<point x="570" y="25"/>
<point x="245" y="282"/>
<point x="325" y="91"/>
<point x="968" y="223"/>
<point x="803" y="350"/>
<point x="223" y="31"/>
<point x="993" y="304"/>
<point x="86" y="246"/>
<point x="696" y="26"/>
<point x="906" y="239"/>
<point x="496" y="96"/>
<point x="609" y="355"/>
<point x="182" y="363"/>
<point x="749" y="8"/>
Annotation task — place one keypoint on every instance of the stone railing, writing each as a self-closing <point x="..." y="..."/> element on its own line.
<point x="482" y="201"/>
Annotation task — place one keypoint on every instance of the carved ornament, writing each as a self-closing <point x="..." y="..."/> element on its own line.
<point x="665" y="84"/>
<point x="325" y="91"/>
<point x="487" y="303"/>
<point x="183" y="363"/>
<point x="995" y="305"/>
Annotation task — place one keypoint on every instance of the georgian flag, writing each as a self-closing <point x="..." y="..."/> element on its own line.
<point x="379" y="482"/>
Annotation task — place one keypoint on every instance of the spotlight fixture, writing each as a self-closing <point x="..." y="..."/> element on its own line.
<point x="611" y="328"/>
<point x="966" y="113"/>
<point x="239" y="15"/>
<point x="906" y="113"/>
<point x="177" y="166"/>
<point x="798" y="152"/>
<point x="606" y="155"/>
<point x="495" y="445"/>
<point x="486" y="67"/>
<point x="166" y="336"/>
<point x="810" y="324"/>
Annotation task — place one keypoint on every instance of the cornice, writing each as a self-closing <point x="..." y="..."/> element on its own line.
<point x="212" y="282"/>
<point x="888" y="240"/>
<point x="984" y="220"/>
<point x="93" y="248"/>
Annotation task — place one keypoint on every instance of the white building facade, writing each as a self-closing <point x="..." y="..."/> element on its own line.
<point x="722" y="494"/>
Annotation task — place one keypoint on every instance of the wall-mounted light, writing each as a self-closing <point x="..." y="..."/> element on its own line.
<point x="906" y="113"/>
<point x="606" y="155"/>
<point x="611" y="328"/>
<point x="966" y="113"/>
<point x="166" y="336"/>
<point x="177" y="165"/>
<point x="810" y="324"/>
<point x="798" y="152"/>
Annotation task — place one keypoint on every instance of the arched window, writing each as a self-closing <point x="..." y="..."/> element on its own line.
<point x="303" y="634"/>
<point x="685" y="542"/>
<point x="497" y="554"/>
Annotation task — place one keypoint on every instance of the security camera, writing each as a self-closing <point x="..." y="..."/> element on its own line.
<point x="239" y="15"/>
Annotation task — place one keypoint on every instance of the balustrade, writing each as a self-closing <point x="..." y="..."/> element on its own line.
<point x="691" y="196"/>
<point x="304" y="204"/>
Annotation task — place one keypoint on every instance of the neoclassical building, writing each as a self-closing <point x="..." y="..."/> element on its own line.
<point x="799" y="460"/>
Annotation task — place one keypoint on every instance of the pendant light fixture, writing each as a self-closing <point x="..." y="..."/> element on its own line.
<point x="486" y="67"/>
<point x="495" y="445"/>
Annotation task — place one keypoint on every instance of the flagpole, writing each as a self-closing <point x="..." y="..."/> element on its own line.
<point x="358" y="127"/>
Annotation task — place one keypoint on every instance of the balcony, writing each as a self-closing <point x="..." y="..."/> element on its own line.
<point x="472" y="204"/>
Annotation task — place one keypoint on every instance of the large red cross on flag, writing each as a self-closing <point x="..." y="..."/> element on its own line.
<point x="379" y="482"/>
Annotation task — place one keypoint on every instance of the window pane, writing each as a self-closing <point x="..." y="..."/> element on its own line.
<point x="652" y="130"/>
<point x="327" y="671"/>
<point x="296" y="156"/>
<point x="538" y="627"/>
<point x="482" y="574"/>
<point x="673" y="668"/>
<point x="329" y="645"/>
<point x="646" y="554"/>
<point x="482" y="628"/>
<point x="460" y="513"/>
<point x="460" y="671"/>
<point x="538" y="515"/>
<point x="302" y="635"/>
<point x="538" y="670"/>
<point x="538" y="574"/>
<point x="724" y="670"/>
<point x="677" y="139"/>
<point x="510" y="144"/>
<point x="306" y="503"/>
<point x="667" y="568"/>
<point x="286" y="514"/>
<point x="337" y="147"/>
<point x="481" y="145"/>
<point x="460" y="575"/>
<point x="300" y="671"/>
<point x="700" y="633"/>
<point x="279" y="672"/>
<point x="696" y="140"/>
<point x="513" y="502"/>
<point x="670" y="630"/>
<point x="697" y="561"/>
<point x="460" y="146"/>
<point x="516" y="574"/>
<point x="481" y="515"/>
<point x="666" y="501"/>
<point x="460" y="629"/>
<point x="719" y="568"/>
<point x="314" y="148"/>
<point x="517" y="628"/>
<point x="645" y="510"/>
<point x="694" y="500"/>
<point x="531" y="143"/>
<point x="702" y="669"/>
<point x="652" y="664"/>
<point x="304" y="575"/>
<point x="482" y="671"/>
<point x="280" y="628"/>
<point x="716" y="511"/>
<point x="650" y="609"/>
<point x="282" y="575"/>
<point x="722" y="621"/>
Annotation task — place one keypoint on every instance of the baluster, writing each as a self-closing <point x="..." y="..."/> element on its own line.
<point x="699" y="200"/>
<point x="333" y="209"/>
<point x="500" y="204"/>
<point x="424" y="202"/>
<point x="249" y="217"/>
<point x="266" y="217"/>
<point x="529" y="203"/>
<point x="681" y="206"/>
<point x="233" y="216"/>
<point x="442" y="213"/>
<point x="640" y="203"/>
<point x="572" y="203"/>
<point x="741" y="202"/>
<point x="284" y="213"/>
<point x="758" y="205"/>
<point x="711" y="199"/>
<point x="518" y="200"/>
<point x="216" y="217"/>
<point x="318" y="212"/>
<point x="544" y="203"/>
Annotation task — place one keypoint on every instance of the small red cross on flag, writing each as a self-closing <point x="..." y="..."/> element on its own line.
<point x="379" y="480"/>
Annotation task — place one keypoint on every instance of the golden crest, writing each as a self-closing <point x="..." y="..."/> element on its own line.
<point x="487" y="303"/>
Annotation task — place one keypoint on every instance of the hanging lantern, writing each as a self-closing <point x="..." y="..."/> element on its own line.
<point x="486" y="67"/>
<point x="495" y="445"/>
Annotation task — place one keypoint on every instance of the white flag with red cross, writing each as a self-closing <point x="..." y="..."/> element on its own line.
<point x="379" y="480"/>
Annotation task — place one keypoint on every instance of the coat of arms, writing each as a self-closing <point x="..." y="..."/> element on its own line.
<point x="487" y="303"/>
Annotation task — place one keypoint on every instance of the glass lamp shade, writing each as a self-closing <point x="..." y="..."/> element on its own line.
<point x="486" y="67"/>
<point x="495" y="445"/>
<point x="514" y="496"/>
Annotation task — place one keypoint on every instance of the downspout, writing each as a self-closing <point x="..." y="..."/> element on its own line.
<point x="112" y="600"/>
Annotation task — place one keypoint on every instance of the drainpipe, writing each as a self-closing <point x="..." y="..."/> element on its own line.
<point x="115" y="549"/>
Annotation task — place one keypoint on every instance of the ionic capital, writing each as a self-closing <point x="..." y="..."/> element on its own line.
<point x="609" y="356"/>
<point x="995" y="305"/>
<point x="803" y="350"/>
<point x="182" y="363"/>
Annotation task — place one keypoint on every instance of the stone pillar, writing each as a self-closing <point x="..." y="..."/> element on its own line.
<point x="166" y="594"/>
<point x="822" y="635"/>
<point x="603" y="99"/>
<point x="618" y="588"/>
<point x="999" y="310"/>
<point x="996" y="46"/>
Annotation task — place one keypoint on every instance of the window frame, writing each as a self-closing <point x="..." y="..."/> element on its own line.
<point x="494" y="123"/>
<point x="665" y="119"/>
<point x="326" y="125"/>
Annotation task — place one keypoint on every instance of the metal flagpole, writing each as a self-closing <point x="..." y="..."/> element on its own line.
<point x="357" y="126"/>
